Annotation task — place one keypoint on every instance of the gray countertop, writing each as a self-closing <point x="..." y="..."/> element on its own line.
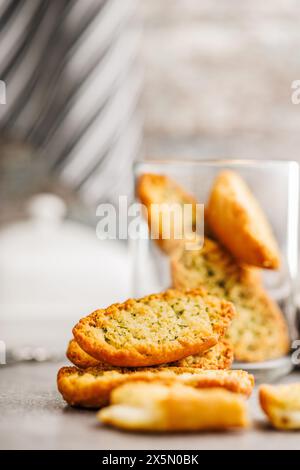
<point x="34" y="416"/>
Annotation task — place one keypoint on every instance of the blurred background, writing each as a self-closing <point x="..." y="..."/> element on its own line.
<point x="90" y="88"/>
<point x="217" y="78"/>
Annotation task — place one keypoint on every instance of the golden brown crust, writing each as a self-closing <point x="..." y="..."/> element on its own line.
<point x="160" y="189"/>
<point x="91" y="388"/>
<point x="237" y="381"/>
<point x="281" y="404"/>
<point x="173" y="407"/>
<point x="156" y="329"/>
<point x="219" y="356"/>
<point x="80" y="358"/>
<point x="88" y="388"/>
<point x="238" y="222"/>
<point x="258" y="331"/>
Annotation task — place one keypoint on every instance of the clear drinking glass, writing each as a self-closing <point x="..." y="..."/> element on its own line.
<point x="275" y="185"/>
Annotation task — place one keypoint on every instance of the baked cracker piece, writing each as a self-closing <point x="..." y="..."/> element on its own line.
<point x="176" y="407"/>
<point x="219" y="356"/>
<point x="91" y="387"/>
<point x="259" y="331"/>
<point x="155" y="329"/>
<point x="281" y="404"/>
<point x="164" y="192"/>
<point x="238" y="222"/>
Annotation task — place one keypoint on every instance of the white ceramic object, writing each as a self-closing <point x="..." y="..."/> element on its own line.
<point x="54" y="271"/>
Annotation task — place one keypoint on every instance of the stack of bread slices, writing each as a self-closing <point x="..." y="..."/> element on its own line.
<point x="154" y="357"/>
<point x="162" y="362"/>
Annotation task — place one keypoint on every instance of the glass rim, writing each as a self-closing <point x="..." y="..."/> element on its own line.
<point x="216" y="162"/>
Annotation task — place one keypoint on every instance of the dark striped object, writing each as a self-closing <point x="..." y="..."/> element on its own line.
<point x="72" y="88"/>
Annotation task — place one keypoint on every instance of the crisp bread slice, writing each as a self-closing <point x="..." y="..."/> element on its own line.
<point x="258" y="331"/>
<point x="174" y="407"/>
<point x="219" y="356"/>
<point x="237" y="220"/>
<point x="155" y="329"/>
<point x="91" y="387"/>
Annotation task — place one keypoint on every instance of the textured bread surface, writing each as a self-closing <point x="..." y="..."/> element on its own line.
<point x="156" y="329"/>
<point x="174" y="407"/>
<point x="219" y="356"/>
<point x="238" y="222"/>
<point x="91" y="387"/>
<point x="258" y="331"/>
<point x="211" y="266"/>
<point x="169" y="197"/>
<point x="281" y="404"/>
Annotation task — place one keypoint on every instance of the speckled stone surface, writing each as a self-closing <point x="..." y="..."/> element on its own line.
<point x="33" y="416"/>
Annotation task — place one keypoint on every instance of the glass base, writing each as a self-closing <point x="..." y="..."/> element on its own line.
<point x="268" y="371"/>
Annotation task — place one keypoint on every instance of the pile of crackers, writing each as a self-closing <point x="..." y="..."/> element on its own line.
<point x="163" y="362"/>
